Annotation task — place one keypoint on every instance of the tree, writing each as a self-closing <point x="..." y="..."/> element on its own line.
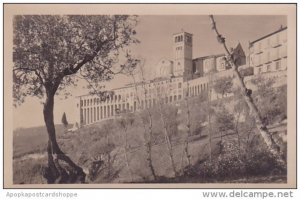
<point x="50" y="52"/>
<point x="168" y="118"/>
<point x="224" y="123"/>
<point x="188" y="125"/>
<point x="126" y="121"/>
<point x="272" y="102"/>
<point x="260" y="124"/>
<point x="64" y="120"/>
<point x="147" y="119"/>
<point x="223" y="85"/>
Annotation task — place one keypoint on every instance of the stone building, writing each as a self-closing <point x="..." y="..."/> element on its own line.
<point x="182" y="76"/>
<point x="269" y="53"/>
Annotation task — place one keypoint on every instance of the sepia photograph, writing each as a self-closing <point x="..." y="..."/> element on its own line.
<point x="163" y="95"/>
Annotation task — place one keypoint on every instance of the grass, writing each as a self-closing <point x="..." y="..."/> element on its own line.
<point x="29" y="171"/>
<point x="32" y="140"/>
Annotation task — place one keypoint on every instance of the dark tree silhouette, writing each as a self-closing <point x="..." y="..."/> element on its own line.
<point x="50" y="52"/>
<point x="64" y="120"/>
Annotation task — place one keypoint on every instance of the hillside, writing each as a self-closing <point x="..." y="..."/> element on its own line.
<point x="32" y="140"/>
<point x="115" y="151"/>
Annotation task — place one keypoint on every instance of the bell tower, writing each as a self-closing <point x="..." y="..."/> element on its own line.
<point x="183" y="54"/>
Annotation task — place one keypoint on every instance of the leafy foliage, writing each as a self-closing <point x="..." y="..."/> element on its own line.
<point x="50" y="49"/>
<point x="223" y="85"/>
<point x="271" y="100"/>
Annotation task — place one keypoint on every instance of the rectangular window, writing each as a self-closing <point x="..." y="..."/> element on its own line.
<point x="268" y="56"/>
<point x="179" y="85"/>
<point x="259" y="70"/>
<point x="277" y="65"/>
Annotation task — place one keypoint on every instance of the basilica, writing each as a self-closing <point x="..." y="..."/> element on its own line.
<point x="176" y="78"/>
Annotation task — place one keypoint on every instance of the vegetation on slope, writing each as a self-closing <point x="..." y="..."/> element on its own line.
<point x="237" y="151"/>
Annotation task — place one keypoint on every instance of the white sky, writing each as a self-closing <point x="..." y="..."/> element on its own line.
<point x="155" y="34"/>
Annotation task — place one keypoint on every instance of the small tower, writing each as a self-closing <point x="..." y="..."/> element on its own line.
<point x="183" y="54"/>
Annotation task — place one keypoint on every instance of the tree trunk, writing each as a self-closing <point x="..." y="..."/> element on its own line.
<point x="126" y="147"/>
<point x="186" y="143"/>
<point x="56" y="172"/>
<point x="148" y="143"/>
<point x="168" y="140"/>
<point x="209" y="119"/>
<point x="149" y="146"/>
<point x="273" y="147"/>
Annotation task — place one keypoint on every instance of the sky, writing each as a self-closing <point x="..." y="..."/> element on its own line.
<point x="155" y="34"/>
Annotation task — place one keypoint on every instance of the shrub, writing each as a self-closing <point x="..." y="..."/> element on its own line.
<point x="232" y="165"/>
<point x="262" y="162"/>
<point x="29" y="171"/>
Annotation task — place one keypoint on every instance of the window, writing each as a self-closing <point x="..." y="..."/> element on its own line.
<point x="189" y="39"/>
<point x="268" y="68"/>
<point x="277" y="65"/>
<point x="88" y="116"/>
<point x="179" y="85"/>
<point x="268" y="56"/>
<point x="259" y="70"/>
<point x="268" y="42"/>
